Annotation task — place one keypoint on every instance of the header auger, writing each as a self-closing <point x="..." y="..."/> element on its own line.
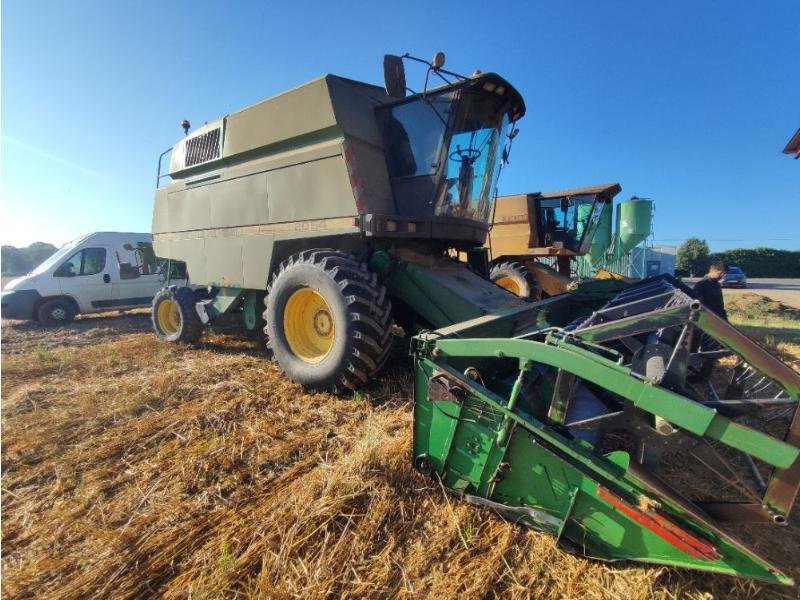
<point x="338" y="208"/>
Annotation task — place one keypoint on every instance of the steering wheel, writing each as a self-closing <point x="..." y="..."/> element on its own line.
<point x="466" y="155"/>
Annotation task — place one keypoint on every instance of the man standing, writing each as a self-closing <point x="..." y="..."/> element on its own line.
<point x="709" y="291"/>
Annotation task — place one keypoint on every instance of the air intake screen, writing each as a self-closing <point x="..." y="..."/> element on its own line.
<point x="201" y="148"/>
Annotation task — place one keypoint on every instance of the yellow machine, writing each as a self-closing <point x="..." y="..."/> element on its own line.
<point x="561" y="226"/>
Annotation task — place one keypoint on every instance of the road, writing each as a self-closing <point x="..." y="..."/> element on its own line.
<point x="782" y="290"/>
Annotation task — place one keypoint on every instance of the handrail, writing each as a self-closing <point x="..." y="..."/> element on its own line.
<point x="159" y="176"/>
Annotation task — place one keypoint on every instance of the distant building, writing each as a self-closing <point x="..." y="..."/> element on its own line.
<point x="793" y="147"/>
<point x="657" y="261"/>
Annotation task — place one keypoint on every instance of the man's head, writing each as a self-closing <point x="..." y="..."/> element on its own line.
<point x="716" y="270"/>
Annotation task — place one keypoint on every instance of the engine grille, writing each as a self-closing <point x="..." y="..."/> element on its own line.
<point x="202" y="148"/>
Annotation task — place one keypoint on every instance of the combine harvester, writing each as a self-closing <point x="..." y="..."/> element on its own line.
<point x="338" y="205"/>
<point x="568" y="228"/>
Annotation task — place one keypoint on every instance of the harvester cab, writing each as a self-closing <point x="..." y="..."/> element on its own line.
<point x="444" y="149"/>
<point x="328" y="213"/>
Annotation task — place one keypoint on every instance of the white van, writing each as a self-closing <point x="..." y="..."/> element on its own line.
<point x="99" y="272"/>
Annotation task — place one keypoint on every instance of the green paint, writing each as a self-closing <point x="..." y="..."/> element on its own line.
<point x="441" y="291"/>
<point x="680" y="411"/>
<point x="225" y="298"/>
<point x="502" y="435"/>
<point x="250" y="310"/>
<point x="559" y="479"/>
<point x="483" y="445"/>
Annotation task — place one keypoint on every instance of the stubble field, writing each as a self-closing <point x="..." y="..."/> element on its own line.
<point x="133" y="469"/>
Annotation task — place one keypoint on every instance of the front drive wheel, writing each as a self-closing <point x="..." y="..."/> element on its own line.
<point x="174" y="316"/>
<point x="54" y="313"/>
<point x="329" y="322"/>
<point x="516" y="278"/>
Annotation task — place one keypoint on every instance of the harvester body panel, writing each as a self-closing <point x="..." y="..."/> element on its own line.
<point x="334" y="158"/>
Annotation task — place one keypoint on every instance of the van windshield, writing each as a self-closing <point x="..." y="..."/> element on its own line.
<point x="55" y="257"/>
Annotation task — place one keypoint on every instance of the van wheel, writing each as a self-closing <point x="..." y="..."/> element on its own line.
<point x="54" y="313"/>
<point x="174" y="316"/>
<point x="329" y="321"/>
<point x="516" y="278"/>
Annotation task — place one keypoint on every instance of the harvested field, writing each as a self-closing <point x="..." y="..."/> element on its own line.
<point x="25" y="336"/>
<point x="133" y="468"/>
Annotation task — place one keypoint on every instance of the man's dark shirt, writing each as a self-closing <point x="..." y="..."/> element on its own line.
<point x="709" y="292"/>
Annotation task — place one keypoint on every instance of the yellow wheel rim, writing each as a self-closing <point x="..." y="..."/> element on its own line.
<point x="308" y="325"/>
<point x="168" y="316"/>
<point x="508" y="284"/>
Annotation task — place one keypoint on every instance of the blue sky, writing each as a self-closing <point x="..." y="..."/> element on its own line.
<point x="689" y="103"/>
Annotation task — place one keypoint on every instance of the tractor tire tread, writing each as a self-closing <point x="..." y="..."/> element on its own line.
<point x="191" y="326"/>
<point x="524" y="277"/>
<point x="369" y="315"/>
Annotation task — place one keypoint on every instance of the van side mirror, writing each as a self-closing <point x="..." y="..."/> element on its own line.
<point x="394" y="76"/>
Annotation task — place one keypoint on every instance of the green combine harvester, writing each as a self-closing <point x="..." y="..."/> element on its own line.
<point x="331" y="216"/>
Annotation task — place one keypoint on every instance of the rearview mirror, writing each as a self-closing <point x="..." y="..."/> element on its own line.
<point x="394" y="76"/>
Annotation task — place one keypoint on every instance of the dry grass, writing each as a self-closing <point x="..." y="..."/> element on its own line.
<point x="20" y="337"/>
<point x="134" y="469"/>
<point x="773" y="323"/>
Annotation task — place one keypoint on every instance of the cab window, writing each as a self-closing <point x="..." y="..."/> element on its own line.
<point x="415" y="133"/>
<point x="88" y="261"/>
<point x="136" y="260"/>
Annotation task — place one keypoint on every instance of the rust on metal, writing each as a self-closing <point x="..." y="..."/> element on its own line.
<point x="443" y="387"/>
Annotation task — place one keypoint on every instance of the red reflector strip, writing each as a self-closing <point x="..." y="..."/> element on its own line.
<point x="662" y="527"/>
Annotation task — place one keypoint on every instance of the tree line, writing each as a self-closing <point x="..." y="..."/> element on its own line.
<point x="18" y="261"/>
<point x="694" y="257"/>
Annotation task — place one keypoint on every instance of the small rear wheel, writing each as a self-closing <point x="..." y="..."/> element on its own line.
<point x="516" y="278"/>
<point x="174" y="316"/>
<point x="54" y="313"/>
<point x="328" y="320"/>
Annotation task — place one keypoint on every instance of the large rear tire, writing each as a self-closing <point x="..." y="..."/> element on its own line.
<point x="174" y="316"/>
<point x="329" y="321"/>
<point x="516" y="278"/>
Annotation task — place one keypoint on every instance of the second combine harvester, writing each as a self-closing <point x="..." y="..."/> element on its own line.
<point x="330" y="212"/>
<point x="537" y="241"/>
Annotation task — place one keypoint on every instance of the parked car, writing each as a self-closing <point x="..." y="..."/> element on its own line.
<point x="734" y="277"/>
<point x="98" y="272"/>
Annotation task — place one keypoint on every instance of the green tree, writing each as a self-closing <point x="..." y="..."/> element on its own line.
<point x="762" y="262"/>
<point x="18" y="261"/>
<point x="693" y="257"/>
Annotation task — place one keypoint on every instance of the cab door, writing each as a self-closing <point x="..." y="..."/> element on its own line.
<point x="86" y="277"/>
<point x="135" y="276"/>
